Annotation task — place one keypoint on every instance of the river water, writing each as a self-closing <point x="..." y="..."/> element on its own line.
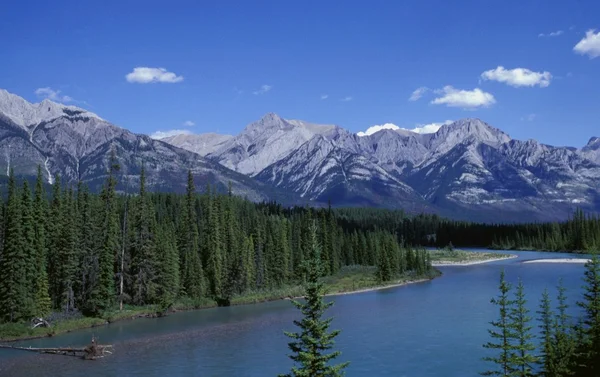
<point x="431" y="329"/>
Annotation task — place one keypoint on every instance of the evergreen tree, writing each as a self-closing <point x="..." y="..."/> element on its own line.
<point x="588" y="353"/>
<point x="192" y="278"/>
<point x="523" y="358"/>
<point x="144" y="263"/>
<point x="503" y="334"/>
<point x="547" y="358"/>
<point x="13" y="294"/>
<point x="103" y="293"/>
<point x="28" y="251"/>
<point x="563" y="344"/>
<point x="310" y="344"/>
<point x="43" y="303"/>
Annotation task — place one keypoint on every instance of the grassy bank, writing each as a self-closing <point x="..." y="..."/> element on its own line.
<point x="349" y="279"/>
<point x="459" y="257"/>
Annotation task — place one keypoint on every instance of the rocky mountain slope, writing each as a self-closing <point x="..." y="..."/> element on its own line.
<point x="76" y="144"/>
<point x="466" y="169"/>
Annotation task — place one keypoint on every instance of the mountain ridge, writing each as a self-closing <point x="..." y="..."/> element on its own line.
<point x="466" y="169"/>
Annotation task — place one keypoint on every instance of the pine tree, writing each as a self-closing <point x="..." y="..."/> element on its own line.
<point x="588" y="353"/>
<point x="144" y="263"/>
<point x="13" y="294"/>
<point x="168" y="267"/>
<point x="547" y="358"/>
<point x="310" y="344"/>
<point x="192" y="278"/>
<point x="523" y="358"/>
<point x="28" y="251"/>
<point x="503" y="334"/>
<point x="563" y="344"/>
<point x="43" y="303"/>
<point x="103" y="293"/>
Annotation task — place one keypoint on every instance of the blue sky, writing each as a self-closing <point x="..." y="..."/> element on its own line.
<point x="229" y="62"/>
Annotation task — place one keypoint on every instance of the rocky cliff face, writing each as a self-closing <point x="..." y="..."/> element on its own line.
<point x="76" y="144"/>
<point x="466" y="169"/>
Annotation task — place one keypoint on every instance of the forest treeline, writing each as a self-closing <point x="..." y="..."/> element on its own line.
<point x="580" y="233"/>
<point x="73" y="250"/>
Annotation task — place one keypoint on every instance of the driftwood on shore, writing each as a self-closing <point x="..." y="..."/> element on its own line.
<point x="91" y="352"/>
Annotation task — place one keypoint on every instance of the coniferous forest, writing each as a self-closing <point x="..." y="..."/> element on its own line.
<point x="565" y="346"/>
<point x="71" y="250"/>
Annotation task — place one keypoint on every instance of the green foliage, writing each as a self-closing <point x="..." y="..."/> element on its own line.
<point x="503" y="334"/>
<point x="168" y="248"/>
<point x="309" y="346"/>
<point x="523" y="358"/>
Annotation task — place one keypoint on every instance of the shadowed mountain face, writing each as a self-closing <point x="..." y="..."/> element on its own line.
<point x="76" y="144"/>
<point x="467" y="169"/>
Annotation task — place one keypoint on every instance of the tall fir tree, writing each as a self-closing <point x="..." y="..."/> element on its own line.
<point x="192" y="277"/>
<point x="13" y="294"/>
<point x="103" y="293"/>
<point x="563" y="340"/>
<point x="43" y="303"/>
<point x="309" y="346"/>
<point x="144" y="260"/>
<point x="588" y="353"/>
<point x="503" y="334"/>
<point x="523" y="358"/>
<point x="546" y="361"/>
<point x="29" y="251"/>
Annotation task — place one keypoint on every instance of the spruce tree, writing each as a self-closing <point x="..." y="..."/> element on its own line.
<point x="43" y="303"/>
<point x="310" y="344"/>
<point x="144" y="260"/>
<point x="547" y="357"/>
<point x="588" y="353"/>
<point x="524" y="360"/>
<point x="103" y="293"/>
<point x="29" y="251"/>
<point x="563" y="343"/>
<point x="192" y="278"/>
<point x="13" y="294"/>
<point x="503" y="334"/>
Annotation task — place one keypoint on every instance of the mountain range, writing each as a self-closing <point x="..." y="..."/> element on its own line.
<point x="467" y="169"/>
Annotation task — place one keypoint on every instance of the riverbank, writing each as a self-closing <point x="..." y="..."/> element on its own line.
<point x="350" y="279"/>
<point x="446" y="258"/>
<point x="559" y="260"/>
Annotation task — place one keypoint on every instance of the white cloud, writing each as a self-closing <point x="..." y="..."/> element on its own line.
<point x="53" y="95"/>
<point x="263" y="89"/>
<point x="371" y="130"/>
<point x="420" y="128"/>
<point x="589" y="45"/>
<point x="518" y="77"/>
<point x="189" y="123"/>
<point x="529" y="117"/>
<point x="428" y="128"/>
<point x="324" y="96"/>
<point x="346" y="99"/>
<point x="162" y="134"/>
<point x="452" y="97"/>
<point x="551" y="34"/>
<point x="418" y="93"/>
<point x="147" y="75"/>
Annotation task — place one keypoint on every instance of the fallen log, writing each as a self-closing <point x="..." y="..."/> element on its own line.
<point x="92" y="352"/>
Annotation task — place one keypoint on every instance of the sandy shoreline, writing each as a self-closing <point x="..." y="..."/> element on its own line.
<point x="378" y="288"/>
<point x="559" y="260"/>
<point x="470" y="263"/>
